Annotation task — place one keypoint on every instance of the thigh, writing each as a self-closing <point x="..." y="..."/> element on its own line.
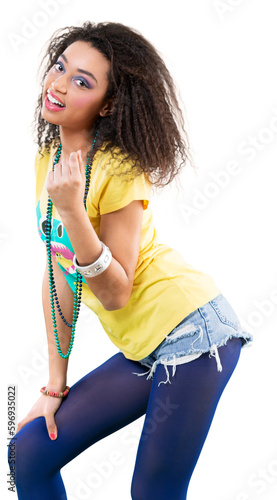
<point x="110" y="396"/>
<point x="178" y="418"/>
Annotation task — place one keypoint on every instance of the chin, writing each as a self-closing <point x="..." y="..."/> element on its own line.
<point x="48" y="117"/>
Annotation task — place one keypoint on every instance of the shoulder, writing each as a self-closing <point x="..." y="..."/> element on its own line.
<point x="116" y="181"/>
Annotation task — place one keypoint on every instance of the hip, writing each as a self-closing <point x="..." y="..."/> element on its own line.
<point x="204" y="330"/>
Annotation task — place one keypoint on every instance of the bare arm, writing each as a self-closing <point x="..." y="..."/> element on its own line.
<point x="120" y="231"/>
<point x="46" y="405"/>
<point x="57" y="365"/>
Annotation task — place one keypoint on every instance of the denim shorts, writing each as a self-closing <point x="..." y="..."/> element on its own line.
<point x="204" y="330"/>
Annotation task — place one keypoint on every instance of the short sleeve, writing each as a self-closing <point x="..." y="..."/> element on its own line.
<point x="113" y="189"/>
<point x="118" y="193"/>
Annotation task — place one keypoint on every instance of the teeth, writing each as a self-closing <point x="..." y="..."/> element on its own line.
<point x="53" y="100"/>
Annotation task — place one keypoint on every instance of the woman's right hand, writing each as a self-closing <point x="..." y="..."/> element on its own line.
<point x="45" y="407"/>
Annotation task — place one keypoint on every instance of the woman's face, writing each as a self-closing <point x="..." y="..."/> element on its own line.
<point x="79" y="82"/>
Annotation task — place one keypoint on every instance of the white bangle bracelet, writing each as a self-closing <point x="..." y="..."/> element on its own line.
<point x="97" y="267"/>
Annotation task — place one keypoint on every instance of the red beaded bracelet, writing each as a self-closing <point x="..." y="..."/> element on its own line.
<point x="44" y="391"/>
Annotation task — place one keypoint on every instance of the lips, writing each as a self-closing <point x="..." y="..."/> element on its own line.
<point x="52" y="102"/>
<point x="53" y="97"/>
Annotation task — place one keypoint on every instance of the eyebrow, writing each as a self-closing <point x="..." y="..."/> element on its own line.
<point x="81" y="70"/>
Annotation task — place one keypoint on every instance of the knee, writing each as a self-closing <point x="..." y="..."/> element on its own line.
<point x="17" y="462"/>
<point x="25" y="453"/>
<point x="20" y="457"/>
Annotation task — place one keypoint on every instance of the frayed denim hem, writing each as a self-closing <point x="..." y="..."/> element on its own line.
<point x="187" y="357"/>
<point x="204" y="330"/>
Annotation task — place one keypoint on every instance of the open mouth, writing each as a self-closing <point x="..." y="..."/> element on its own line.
<point x="53" y="100"/>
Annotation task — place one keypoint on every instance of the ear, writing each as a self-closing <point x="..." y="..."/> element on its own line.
<point x="107" y="108"/>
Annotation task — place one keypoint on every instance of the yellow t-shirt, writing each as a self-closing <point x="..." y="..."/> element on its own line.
<point x="166" y="289"/>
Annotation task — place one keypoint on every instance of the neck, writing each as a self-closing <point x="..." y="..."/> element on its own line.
<point x="72" y="141"/>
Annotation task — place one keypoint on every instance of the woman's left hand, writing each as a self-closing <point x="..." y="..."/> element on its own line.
<point x="66" y="185"/>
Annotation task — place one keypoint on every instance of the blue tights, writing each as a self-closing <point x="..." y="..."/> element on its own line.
<point x="178" y="418"/>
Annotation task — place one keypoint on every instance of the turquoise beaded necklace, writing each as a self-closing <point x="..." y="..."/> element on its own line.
<point x="52" y="286"/>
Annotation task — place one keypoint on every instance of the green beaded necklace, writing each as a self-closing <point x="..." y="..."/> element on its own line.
<point x="52" y="285"/>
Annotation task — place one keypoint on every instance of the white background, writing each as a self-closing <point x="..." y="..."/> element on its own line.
<point x="223" y="56"/>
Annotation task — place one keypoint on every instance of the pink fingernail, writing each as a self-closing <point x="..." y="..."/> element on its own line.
<point x="80" y="153"/>
<point x="52" y="436"/>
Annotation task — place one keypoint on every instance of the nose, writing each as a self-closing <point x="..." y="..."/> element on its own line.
<point x="59" y="84"/>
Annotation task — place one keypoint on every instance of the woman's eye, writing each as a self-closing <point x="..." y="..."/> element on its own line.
<point x="58" y="66"/>
<point x="82" y="83"/>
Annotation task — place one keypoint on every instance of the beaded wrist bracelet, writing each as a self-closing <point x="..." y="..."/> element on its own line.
<point x="55" y="394"/>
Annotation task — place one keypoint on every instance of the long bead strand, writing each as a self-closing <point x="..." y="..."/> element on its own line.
<point x="52" y="285"/>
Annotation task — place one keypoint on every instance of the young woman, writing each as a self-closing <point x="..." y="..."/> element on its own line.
<point x="108" y="128"/>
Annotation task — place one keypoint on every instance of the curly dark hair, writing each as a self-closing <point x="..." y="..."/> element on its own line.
<point x="146" y="122"/>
